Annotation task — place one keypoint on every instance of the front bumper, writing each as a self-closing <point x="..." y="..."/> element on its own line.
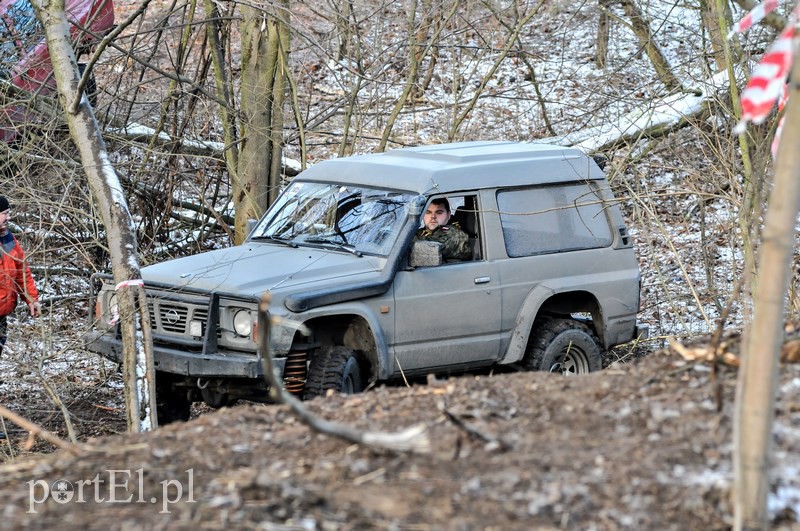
<point x="175" y="361"/>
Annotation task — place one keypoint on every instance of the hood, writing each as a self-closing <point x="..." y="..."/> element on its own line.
<point x="252" y="268"/>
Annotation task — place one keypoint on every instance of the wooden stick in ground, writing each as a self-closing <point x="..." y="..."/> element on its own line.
<point x="413" y="439"/>
<point x="36" y="430"/>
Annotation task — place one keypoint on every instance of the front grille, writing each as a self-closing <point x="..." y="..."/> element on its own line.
<point x="174" y="317"/>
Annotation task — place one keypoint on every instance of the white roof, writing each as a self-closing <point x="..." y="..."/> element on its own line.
<point x="445" y="168"/>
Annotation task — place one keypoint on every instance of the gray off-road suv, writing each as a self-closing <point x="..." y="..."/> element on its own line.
<point x="552" y="281"/>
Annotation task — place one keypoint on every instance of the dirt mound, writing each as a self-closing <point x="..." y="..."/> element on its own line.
<point x="641" y="445"/>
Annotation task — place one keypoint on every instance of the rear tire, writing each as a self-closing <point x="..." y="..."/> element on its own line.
<point x="333" y="368"/>
<point x="564" y="346"/>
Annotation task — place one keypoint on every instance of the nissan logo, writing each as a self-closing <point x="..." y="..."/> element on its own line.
<point x="172" y="317"/>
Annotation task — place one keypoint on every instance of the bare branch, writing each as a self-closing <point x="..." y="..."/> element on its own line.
<point x="36" y="430"/>
<point x="412" y="439"/>
<point x="101" y="46"/>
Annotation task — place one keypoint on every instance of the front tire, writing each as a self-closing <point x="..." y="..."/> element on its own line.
<point x="333" y="368"/>
<point x="563" y="346"/>
<point x="172" y="402"/>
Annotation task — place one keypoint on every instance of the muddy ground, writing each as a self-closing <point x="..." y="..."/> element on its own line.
<point x="640" y="445"/>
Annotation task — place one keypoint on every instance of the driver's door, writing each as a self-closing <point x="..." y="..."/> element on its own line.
<point x="446" y="316"/>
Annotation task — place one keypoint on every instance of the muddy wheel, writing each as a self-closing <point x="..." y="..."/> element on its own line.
<point x="333" y="368"/>
<point x="216" y="399"/>
<point x="172" y="403"/>
<point x="564" y="346"/>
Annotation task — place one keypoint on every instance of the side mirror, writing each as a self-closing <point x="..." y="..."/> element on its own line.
<point x="249" y="227"/>
<point x="425" y="254"/>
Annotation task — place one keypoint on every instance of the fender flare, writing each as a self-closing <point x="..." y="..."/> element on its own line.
<point x="528" y="312"/>
<point x="524" y="323"/>
<point x="382" y="358"/>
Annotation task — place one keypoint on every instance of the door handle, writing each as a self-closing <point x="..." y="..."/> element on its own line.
<point x="482" y="280"/>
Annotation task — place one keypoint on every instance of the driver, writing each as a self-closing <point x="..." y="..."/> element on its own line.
<point x="455" y="242"/>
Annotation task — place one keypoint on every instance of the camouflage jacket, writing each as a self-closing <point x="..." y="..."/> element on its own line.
<point x="455" y="242"/>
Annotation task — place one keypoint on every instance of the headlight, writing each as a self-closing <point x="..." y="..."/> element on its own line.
<point x="111" y="316"/>
<point x="106" y="309"/>
<point x="242" y="323"/>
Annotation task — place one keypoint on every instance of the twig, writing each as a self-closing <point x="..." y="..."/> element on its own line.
<point x="472" y="431"/>
<point x="716" y="340"/>
<point x="56" y="400"/>
<point x="35" y="430"/>
<point x="673" y="372"/>
<point x="7" y="439"/>
<point x="413" y="439"/>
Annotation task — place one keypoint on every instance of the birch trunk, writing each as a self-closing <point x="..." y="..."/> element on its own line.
<point x="112" y="205"/>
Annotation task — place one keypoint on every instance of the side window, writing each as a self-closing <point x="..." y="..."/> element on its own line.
<point x="463" y="244"/>
<point x="553" y="219"/>
<point x="465" y="214"/>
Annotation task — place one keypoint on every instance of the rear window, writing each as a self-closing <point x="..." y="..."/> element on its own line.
<point x="553" y="219"/>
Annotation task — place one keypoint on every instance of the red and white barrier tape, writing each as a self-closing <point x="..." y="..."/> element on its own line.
<point x="767" y="82"/>
<point x="132" y="282"/>
<point x="754" y="16"/>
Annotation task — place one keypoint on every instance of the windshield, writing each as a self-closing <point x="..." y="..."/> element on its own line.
<point x="350" y="218"/>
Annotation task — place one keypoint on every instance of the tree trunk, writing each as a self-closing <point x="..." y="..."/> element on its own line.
<point x="755" y="393"/>
<point x="343" y="13"/>
<point x="641" y="28"/>
<point x="224" y="91"/>
<point x="711" y="13"/>
<point x="265" y="48"/>
<point x="751" y="201"/>
<point x="107" y="193"/>
<point x="603" y="23"/>
<point x="413" y="65"/>
<point x="279" y="29"/>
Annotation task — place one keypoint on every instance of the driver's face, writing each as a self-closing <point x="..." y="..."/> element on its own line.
<point x="436" y="216"/>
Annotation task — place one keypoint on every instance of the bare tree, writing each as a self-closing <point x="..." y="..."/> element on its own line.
<point x="416" y="54"/>
<point x="757" y="384"/>
<point x="641" y="27"/>
<point x="493" y="75"/>
<point x="110" y="199"/>
<point x="521" y="20"/>
<point x="716" y="16"/>
<point x="603" y="24"/>
<point x="265" y="52"/>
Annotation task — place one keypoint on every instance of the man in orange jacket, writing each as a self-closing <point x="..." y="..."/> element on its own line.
<point x="16" y="280"/>
<point x="15" y="277"/>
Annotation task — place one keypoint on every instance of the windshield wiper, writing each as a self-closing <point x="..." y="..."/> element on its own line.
<point x="338" y="245"/>
<point x="284" y="241"/>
